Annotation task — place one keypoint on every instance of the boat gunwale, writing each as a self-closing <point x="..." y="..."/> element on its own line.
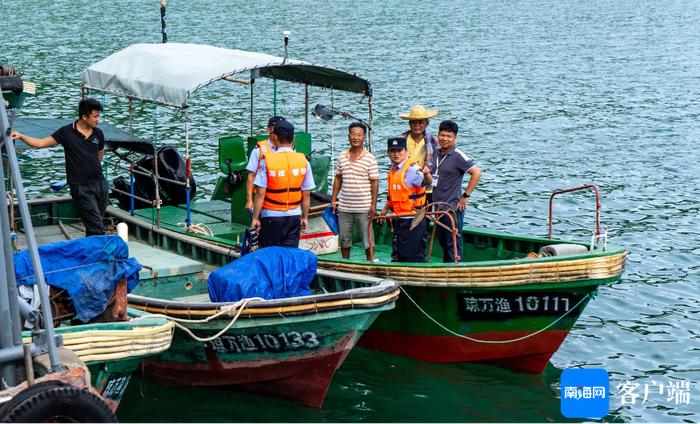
<point x="385" y="292"/>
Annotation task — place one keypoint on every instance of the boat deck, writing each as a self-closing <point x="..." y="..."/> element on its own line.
<point x="211" y="219"/>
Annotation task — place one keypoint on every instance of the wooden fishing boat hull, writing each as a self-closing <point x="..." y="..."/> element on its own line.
<point x="517" y="329"/>
<point x="295" y="360"/>
<point x="294" y="357"/>
<point x="513" y="312"/>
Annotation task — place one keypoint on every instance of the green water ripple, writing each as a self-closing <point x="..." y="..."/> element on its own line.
<point x="547" y="95"/>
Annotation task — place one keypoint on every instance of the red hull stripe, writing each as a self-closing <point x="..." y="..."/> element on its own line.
<point x="304" y="379"/>
<point x="316" y="235"/>
<point x="531" y="354"/>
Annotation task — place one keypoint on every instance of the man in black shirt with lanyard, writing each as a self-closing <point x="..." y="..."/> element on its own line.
<point x="83" y="144"/>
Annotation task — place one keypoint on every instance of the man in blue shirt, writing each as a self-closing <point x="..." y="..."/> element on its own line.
<point x="283" y="185"/>
<point x="256" y="155"/>
<point x="449" y="166"/>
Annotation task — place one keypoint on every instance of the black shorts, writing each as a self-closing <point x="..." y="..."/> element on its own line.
<point x="280" y="231"/>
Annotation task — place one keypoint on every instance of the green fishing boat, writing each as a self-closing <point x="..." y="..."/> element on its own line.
<point x="287" y="347"/>
<point x="511" y="302"/>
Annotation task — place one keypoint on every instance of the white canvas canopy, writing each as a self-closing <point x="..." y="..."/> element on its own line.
<point x="169" y="73"/>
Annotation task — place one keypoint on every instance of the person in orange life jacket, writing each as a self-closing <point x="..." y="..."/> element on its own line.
<point x="256" y="155"/>
<point x="448" y="171"/>
<point x="407" y="184"/>
<point x="83" y="144"/>
<point x="282" y="199"/>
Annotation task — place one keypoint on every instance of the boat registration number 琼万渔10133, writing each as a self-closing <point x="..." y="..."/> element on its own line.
<point x="249" y="343"/>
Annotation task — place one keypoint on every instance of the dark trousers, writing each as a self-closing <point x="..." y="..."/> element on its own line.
<point x="445" y="237"/>
<point x="280" y="231"/>
<point x="410" y="244"/>
<point x="90" y="200"/>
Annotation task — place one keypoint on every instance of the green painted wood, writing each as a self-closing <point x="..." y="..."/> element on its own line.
<point x="441" y="304"/>
<point x="161" y="263"/>
<point x="318" y="331"/>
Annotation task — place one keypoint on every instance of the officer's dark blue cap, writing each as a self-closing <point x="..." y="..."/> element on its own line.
<point x="396" y="143"/>
<point x="284" y="129"/>
<point x="275" y="119"/>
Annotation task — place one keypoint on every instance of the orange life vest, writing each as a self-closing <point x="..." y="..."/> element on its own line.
<point x="264" y="150"/>
<point x="404" y="200"/>
<point x="285" y="174"/>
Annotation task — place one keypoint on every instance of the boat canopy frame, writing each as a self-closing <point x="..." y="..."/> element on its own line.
<point x="170" y="73"/>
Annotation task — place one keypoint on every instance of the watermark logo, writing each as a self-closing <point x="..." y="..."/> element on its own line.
<point x="632" y="392"/>
<point x="585" y="393"/>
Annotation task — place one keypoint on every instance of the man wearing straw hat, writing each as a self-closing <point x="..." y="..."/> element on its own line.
<point x="420" y="145"/>
<point x="419" y="142"/>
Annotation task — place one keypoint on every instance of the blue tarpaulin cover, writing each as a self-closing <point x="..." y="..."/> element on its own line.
<point x="270" y="273"/>
<point x="88" y="268"/>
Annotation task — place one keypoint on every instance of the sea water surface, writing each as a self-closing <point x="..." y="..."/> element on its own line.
<point x="547" y="94"/>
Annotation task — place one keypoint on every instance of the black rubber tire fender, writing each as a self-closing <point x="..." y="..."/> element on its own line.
<point x="57" y="403"/>
<point x="11" y="83"/>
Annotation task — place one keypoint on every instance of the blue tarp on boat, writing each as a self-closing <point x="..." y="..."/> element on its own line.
<point x="270" y="273"/>
<point x="89" y="269"/>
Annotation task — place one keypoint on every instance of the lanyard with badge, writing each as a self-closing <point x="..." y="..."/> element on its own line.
<point x="436" y="176"/>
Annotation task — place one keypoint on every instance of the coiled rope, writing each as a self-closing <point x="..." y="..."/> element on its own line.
<point x="472" y="339"/>
<point x="227" y="310"/>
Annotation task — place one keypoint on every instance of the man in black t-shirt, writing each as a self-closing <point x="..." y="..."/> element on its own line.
<point x="83" y="144"/>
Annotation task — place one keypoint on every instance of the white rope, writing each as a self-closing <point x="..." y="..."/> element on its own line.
<point x="240" y="306"/>
<point x="491" y="341"/>
<point x="199" y="228"/>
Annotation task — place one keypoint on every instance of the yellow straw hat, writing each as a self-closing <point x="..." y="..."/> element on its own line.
<point x="418" y="112"/>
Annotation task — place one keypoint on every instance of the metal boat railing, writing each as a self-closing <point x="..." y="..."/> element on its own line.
<point x="431" y="215"/>
<point x="569" y="190"/>
<point x="15" y="355"/>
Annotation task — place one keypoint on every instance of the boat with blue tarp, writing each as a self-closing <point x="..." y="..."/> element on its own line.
<point x="67" y="346"/>
<point x="288" y="344"/>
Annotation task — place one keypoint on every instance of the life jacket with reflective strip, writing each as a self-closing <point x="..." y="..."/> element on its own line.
<point x="264" y="150"/>
<point x="285" y="174"/>
<point x="404" y="200"/>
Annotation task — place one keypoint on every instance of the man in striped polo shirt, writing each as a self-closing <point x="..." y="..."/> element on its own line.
<point x="355" y="189"/>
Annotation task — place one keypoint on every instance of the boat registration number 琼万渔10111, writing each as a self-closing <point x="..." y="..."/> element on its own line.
<point x="248" y="343"/>
<point x="512" y="305"/>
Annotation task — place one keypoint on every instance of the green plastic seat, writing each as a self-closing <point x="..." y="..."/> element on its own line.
<point x="232" y="147"/>
<point x="302" y="143"/>
<point x="253" y="140"/>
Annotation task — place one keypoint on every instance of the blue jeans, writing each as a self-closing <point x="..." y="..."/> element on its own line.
<point x="445" y="238"/>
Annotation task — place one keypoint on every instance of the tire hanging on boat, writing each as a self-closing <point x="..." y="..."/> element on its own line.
<point x="54" y="401"/>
